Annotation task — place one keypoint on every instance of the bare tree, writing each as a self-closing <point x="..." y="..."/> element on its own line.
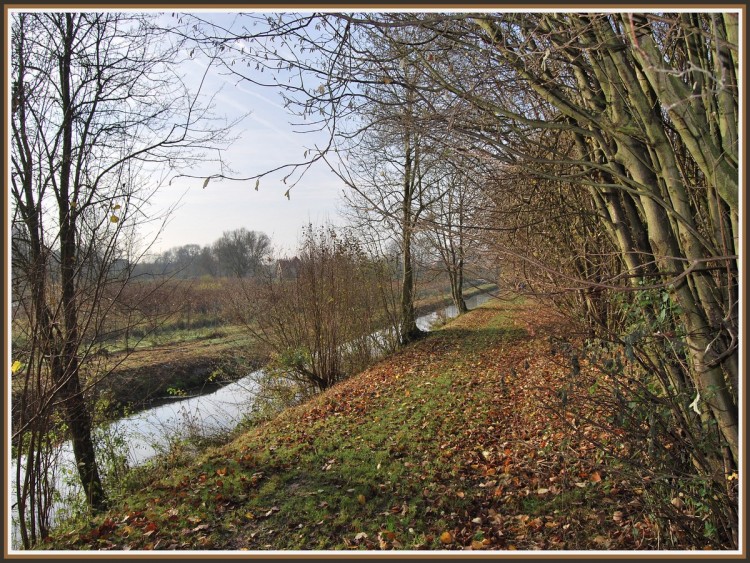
<point x="95" y="104"/>
<point x="328" y="321"/>
<point x="241" y="252"/>
<point x="453" y="212"/>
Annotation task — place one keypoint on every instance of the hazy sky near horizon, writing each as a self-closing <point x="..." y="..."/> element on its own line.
<point x="266" y="139"/>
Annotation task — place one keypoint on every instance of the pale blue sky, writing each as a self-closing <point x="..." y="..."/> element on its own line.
<point x="266" y="140"/>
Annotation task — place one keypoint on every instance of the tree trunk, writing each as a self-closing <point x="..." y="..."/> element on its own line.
<point x="456" y="276"/>
<point x="65" y="365"/>
<point x="409" y="329"/>
<point x="457" y="272"/>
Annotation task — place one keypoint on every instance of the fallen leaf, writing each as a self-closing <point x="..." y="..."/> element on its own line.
<point x="446" y="538"/>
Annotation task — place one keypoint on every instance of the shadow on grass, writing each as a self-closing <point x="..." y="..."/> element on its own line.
<point x="468" y="340"/>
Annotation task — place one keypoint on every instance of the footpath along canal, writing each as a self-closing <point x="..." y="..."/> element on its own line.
<point x="151" y="431"/>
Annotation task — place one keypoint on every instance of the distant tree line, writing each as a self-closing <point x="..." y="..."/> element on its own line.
<point x="237" y="253"/>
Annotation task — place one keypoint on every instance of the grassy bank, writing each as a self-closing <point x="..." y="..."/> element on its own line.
<point x="194" y="360"/>
<point x="448" y="444"/>
<point x="191" y="362"/>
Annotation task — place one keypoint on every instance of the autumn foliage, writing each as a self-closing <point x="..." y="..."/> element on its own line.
<point x="453" y="443"/>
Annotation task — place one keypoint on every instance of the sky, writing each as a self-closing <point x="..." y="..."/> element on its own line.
<point x="266" y="140"/>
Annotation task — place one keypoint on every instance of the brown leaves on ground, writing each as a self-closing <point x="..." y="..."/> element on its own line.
<point x="448" y="444"/>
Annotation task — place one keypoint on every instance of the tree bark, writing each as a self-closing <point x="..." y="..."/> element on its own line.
<point x="409" y="329"/>
<point x="65" y="365"/>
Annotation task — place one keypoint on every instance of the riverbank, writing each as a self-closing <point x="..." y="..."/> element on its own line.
<point x="447" y="444"/>
<point x="191" y="362"/>
<point x="206" y="360"/>
<point x="151" y="376"/>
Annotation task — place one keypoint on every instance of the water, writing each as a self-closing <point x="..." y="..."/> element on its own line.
<point x="151" y="431"/>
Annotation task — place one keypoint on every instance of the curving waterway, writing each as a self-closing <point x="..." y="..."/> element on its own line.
<point x="150" y="432"/>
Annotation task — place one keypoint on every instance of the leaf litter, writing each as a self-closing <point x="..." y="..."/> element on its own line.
<point x="448" y="444"/>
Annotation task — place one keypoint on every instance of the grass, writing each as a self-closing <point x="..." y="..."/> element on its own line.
<point x="188" y="363"/>
<point x="444" y="445"/>
<point x="187" y="360"/>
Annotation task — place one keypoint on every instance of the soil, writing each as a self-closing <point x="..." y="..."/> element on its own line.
<point x="153" y="375"/>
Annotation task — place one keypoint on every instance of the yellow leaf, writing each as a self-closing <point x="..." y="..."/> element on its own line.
<point x="16" y="366"/>
<point x="361" y="499"/>
<point x="446" y="537"/>
<point x="114" y="219"/>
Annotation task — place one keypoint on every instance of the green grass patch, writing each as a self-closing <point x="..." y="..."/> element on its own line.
<point x="384" y="460"/>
